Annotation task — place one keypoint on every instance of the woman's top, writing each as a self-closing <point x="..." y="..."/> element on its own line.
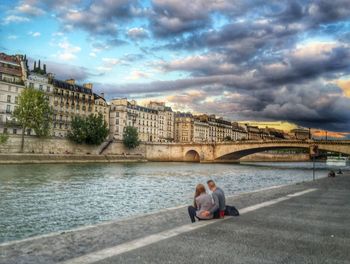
<point x="204" y="202"/>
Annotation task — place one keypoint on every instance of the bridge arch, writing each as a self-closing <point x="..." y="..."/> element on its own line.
<point x="236" y="155"/>
<point x="192" y="156"/>
<point x="237" y="151"/>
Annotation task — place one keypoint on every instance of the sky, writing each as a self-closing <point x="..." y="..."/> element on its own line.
<point x="241" y="59"/>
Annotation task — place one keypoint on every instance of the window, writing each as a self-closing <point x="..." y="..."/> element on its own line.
<point x="9" y="98"/>
<point x="29" y="131"/>
<point x="16" y="99"/>
<point x="5" y="130"/>
<point x="40" y="87"/>
<point x="48" y="89"/>
<point x="14" y="131"/>
<point x="31" y="85"/>
<point x="8" y="109"/>
<point x="9" y="88"/>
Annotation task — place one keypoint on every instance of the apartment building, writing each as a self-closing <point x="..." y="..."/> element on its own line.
<point x="12" y="75"/>
<point x="71" y="99"/>
<point x="166" y="118"/>
<point x="154" y="123"/>
<point x="238" y="132"/>
<point x="219" y="129"/>
<point x="184" y="127"/>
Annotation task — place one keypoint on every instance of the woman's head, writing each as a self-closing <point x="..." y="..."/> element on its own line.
<point x="199" y="190"/>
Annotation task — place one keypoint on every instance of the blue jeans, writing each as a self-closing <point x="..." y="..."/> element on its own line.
<point x="192" y="213"/>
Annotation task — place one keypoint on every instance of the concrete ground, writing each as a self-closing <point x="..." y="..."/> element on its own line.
<point x="312" y="227"/>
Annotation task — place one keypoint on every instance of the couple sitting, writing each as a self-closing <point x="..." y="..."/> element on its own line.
<point x="207" y="206"/>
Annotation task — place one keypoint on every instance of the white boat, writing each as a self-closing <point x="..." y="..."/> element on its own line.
<point x="337" y="161"/>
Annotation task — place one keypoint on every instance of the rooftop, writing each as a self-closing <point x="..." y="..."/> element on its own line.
<point x="71" y="87"/>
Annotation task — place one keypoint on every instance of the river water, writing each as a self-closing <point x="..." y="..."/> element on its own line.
<point x="38" y="199"/>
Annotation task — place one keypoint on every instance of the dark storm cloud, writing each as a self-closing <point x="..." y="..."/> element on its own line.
<point x="101" y="17"/>
<point x="255" y="63"/>
<point x="306" y="105"/>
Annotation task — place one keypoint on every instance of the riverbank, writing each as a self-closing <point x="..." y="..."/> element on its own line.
<point x="28" y="158"/>
<point x="32" y="158"/>
<point x="298" y="223"/>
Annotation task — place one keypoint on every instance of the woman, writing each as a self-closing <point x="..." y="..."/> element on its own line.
<point x="202" y="202"/>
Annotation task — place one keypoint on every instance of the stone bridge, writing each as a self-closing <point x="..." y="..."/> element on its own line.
<point x="231" y="151"/>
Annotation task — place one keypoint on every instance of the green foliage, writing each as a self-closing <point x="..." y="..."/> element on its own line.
<point x="131" y="137"/>
<point x="3" y="138"/>
<point x="78" y="130"/>
<point x="91" y="130"/>
<point x="228" y="138"/>
<point x="33" y="112"/>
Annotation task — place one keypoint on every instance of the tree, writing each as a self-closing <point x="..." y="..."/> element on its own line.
<point x="228" y="138"/>
<point x="33" y="112"/>
<point x="91" y="130"/>
<point x="3" y="138"/>
<point x="131" y="137"/>
<point x="77" y="132"/>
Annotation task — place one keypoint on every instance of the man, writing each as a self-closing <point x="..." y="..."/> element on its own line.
<point x="218" y="210"/>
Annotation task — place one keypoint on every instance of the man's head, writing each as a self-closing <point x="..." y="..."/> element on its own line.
<point x="211" y="185"/>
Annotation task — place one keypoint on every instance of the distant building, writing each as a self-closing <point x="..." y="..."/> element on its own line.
<point x="253" y="132"/>
<point x="166" y="118"/>
<point x="301" y="133"/>
<point x="219" y="129"/>
<point x="205" y="129"/>
<point x="238" y="132"/>
<point x="184" y="127"/>
<point x="153" y="123"/>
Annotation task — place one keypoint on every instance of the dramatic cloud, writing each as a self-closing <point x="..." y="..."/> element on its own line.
<point x="102" y="16"/>
<point x="243" y="59"/>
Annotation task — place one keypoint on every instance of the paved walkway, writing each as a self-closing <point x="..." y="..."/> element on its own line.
<point x="302" y="223"/>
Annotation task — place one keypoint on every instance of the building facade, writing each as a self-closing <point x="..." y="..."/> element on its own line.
<point x="66" y="98"/>
<point x="154" y="123"/>
<point x="166" y="118"/>
<point x="184" y="127"/>
<point x="71" y="99"/>
<point x="12" y="76"/>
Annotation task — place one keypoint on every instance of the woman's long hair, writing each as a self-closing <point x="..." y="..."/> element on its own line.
<point x="199" y="190"/>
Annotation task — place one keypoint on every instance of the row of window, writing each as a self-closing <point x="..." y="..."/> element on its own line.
<point x="9" y="99"/>
<point x="11" y="88"/>
<point x="15" y="131"/>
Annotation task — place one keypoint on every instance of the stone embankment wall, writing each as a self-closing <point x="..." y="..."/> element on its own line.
<point x="62" y="149"/>
<point x="36" y="145"/>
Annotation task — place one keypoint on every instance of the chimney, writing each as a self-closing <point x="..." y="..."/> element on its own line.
<point x="88" y="85"/>
<point x="71" y="81"/>
<point x="50" y="76"/>
<point x="103" y="95"/>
